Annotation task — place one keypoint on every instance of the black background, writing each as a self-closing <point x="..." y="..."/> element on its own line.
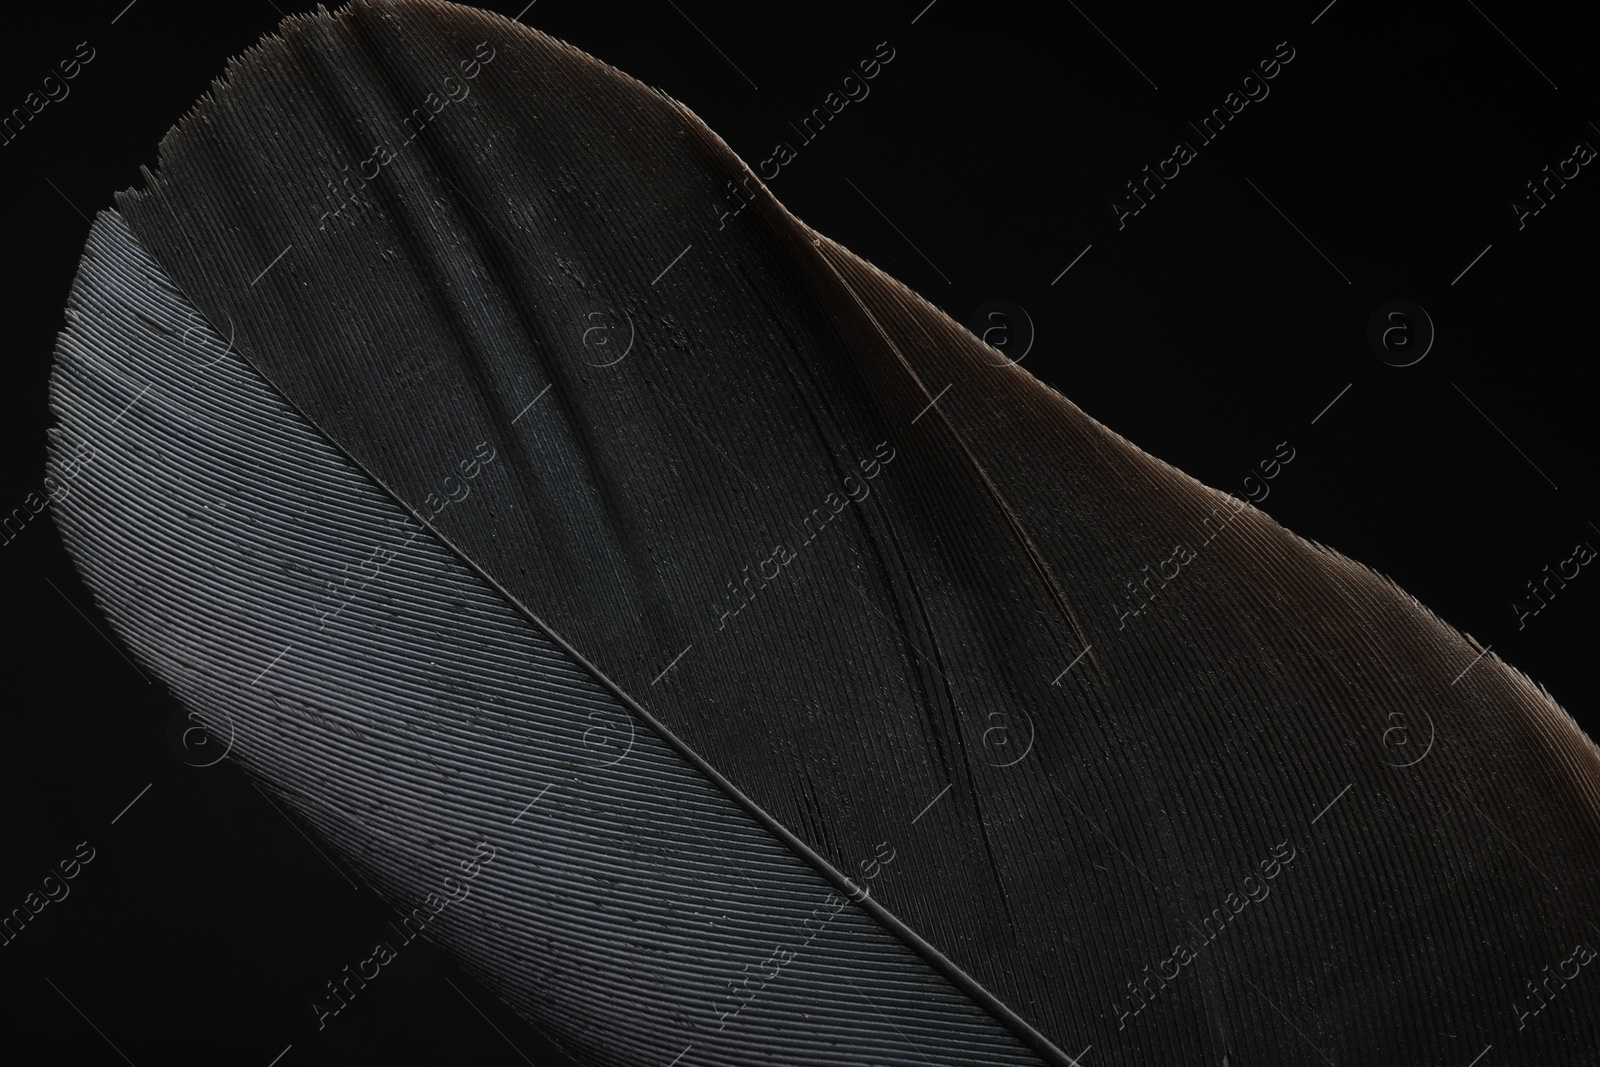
<point x="1207" y="330"/>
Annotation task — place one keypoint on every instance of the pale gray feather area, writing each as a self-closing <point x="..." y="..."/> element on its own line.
<point x="371" y="681"/>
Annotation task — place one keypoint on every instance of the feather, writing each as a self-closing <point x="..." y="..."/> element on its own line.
<point x="470" y="460"/>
